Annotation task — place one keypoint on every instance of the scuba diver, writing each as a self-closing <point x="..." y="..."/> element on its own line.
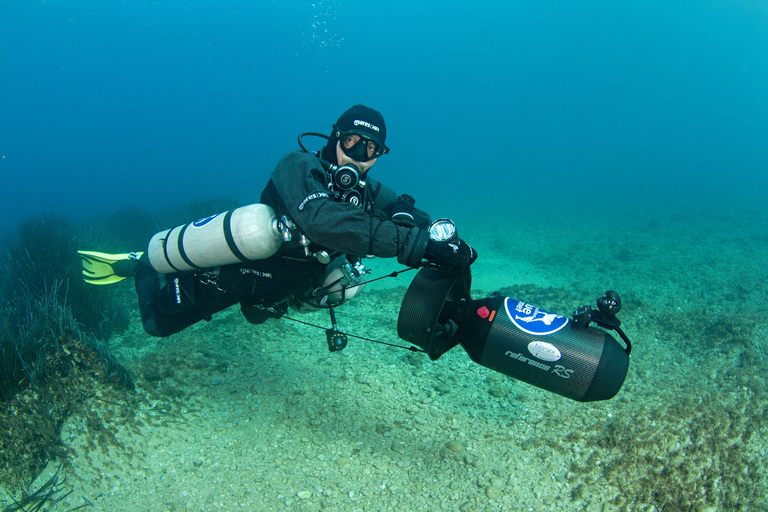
<point x="302" y="247"/>
<point x="320" y="213"/>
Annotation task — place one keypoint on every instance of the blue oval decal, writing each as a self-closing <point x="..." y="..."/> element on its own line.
<point x="202" y="222"/>
<point x="533" y="320"/>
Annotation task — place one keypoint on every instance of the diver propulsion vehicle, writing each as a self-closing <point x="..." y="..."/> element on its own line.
<point x="563" y="355"/>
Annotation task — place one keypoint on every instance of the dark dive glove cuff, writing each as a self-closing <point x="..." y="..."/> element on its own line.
<point x="413" y="257"/>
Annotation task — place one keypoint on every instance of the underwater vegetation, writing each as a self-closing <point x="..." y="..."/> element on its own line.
<point x="50" y="353"/>
<point x="54" y="328"/>
<point x="44" y="299"/>
<point x="45" y="497"/>
<point x="40" y="263"/>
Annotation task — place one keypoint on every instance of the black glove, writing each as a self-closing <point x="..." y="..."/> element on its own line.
<point x="458" y="255"/>
<point x="403" y="213"/>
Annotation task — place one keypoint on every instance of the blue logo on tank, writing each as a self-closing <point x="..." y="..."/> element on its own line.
<point x="533" y="320"/>
<point x="202" y="222"/>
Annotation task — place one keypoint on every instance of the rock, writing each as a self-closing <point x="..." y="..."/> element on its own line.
<point x="455" y="446"/>
<point x="498" y="391"/>
<point x="492" y="492"/>
<point x="494" y="378"/>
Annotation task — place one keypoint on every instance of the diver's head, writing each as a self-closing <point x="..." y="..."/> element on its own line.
<point x="357" y="138"/>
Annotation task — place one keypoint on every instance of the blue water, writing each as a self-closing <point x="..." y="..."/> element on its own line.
<point x="502" y="106"/>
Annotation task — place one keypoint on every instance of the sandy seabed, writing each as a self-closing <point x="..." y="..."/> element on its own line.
<point x="230" y="416"/>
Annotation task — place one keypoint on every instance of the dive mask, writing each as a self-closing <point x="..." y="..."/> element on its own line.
<point x="361" y="148"/>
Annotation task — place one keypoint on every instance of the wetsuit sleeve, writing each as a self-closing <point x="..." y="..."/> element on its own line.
<point x="300" y="181"/>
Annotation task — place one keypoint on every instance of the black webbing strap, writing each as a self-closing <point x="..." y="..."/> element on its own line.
<point x="165" y="250"/>
<point x="182" y="252"/>
<point x="230" y="239"/>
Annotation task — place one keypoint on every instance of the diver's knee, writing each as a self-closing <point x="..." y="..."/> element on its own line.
<point x="151" y="328"/>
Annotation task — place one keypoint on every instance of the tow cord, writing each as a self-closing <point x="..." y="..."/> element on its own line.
<point x="337" y="339"/>
<point x="411" y="348"/>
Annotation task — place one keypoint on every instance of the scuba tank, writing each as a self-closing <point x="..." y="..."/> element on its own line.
<point x="247" y="233"/>
<point x="559" y="354"/>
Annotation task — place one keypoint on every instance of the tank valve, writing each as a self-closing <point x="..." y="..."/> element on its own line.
<point x="284" y="226"/>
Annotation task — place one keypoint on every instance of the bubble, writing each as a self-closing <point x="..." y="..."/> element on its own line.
<point x="322" y="34"/>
